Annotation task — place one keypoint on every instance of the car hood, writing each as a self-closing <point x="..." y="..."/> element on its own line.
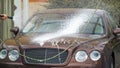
<point x="60" y="40"/>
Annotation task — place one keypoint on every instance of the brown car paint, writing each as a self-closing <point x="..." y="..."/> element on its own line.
<point x="72" y="43"/>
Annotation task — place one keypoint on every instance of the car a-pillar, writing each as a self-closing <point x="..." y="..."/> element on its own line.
<point x="119" y="23"/>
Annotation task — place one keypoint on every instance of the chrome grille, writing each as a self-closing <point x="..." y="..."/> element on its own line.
<point x="48" y="55"/>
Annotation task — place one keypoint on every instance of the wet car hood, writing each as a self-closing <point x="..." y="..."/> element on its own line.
<point x="61" y="40"/>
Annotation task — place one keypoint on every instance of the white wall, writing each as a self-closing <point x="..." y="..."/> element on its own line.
<point x="21" y="14"/>
<point x="17" y="18"/>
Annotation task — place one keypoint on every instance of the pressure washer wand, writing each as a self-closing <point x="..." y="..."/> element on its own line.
<point x="9" y="17"/>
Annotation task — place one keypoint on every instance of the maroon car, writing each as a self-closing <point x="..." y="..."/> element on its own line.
<point x="64" y="38"/>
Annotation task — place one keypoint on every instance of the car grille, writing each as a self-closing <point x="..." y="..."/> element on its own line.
<point x="45" y="56"/>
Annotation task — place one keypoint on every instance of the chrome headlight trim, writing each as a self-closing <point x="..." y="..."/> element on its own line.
<point x="81" y="56"/>
<point x="13" y="55"/>
<point x="95" y="55"/>
<point x="3" y="54"/>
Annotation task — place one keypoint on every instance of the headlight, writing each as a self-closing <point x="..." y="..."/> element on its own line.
<point x="13" y="55"/>
<point x="95" y="55"/>
<point x="81" y="56"/>
<point x="3" y="54"/>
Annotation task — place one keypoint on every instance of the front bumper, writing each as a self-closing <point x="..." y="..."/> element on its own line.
<point x="20" y="65"/>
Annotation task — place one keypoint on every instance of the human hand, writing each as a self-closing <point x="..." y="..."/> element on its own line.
<point x="3" y="16"/>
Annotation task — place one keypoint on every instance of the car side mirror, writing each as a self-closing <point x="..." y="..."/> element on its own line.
<point x="15" y="30"/>
<point x="116" y="32"/>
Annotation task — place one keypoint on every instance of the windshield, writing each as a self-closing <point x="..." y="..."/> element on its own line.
<point x="84" y="23"/>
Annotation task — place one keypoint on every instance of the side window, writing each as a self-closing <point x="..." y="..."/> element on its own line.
<point x="113" y="24"/>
